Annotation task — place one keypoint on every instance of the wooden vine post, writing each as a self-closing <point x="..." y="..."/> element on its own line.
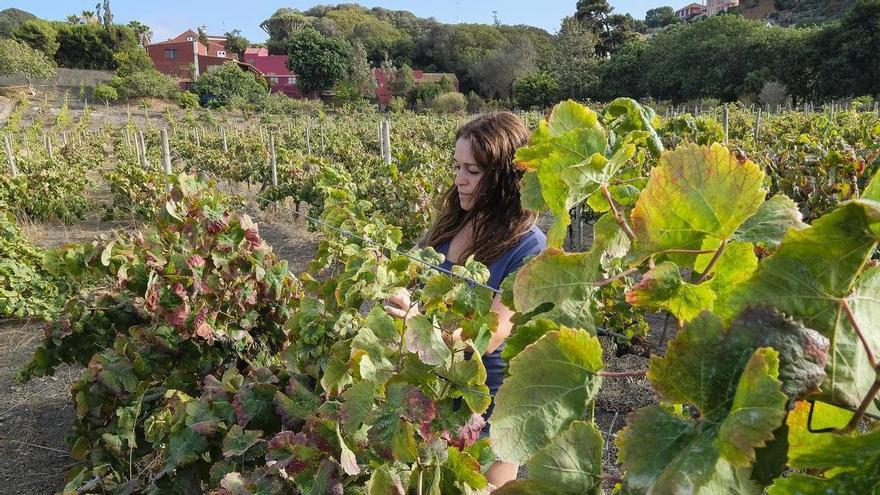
<point x="757" y="132"/>
<point x="386" y="141"/>
<point x="49" y="147"/>
<point x="166" y="156"/>
<point x="273" y="159"/>
<point x="225" y="146"/>
<point x="9" y="156"/>
<point x="725" y="121"/>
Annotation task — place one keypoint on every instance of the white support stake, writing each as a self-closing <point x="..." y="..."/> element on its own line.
<point x="273" y="159"/>
<point x="386" y="141"/>
<point x="166" y="156"/>
<point x="9" y="156"/>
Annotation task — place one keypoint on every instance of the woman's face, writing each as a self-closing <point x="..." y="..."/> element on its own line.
<point x="467" y="173"/>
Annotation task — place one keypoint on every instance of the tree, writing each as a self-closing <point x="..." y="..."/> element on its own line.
<point x="318" y="61"/>
<point x="203" y="35"/>
<point x="661" y="17"/>
<point x="281" y="28"/>
<point x="39" y="35"/>
<point x="91" y="46"/>
<point x="361" y="75"/>
<point x="536" y="90"/>
<point x="495" y="74"/>
<point x="108" y="16"/>
<point x="19" y="59"/>
<point x="11" y="18"/>
<point x="132" y="60"/>
<point x="612" y="30"/>
<point x="219" y="84"/>
<point x="142" y="31"/>
<point x="403" y="82"/>
<point x="237" y="43"/>
<point x="574" y="63"/>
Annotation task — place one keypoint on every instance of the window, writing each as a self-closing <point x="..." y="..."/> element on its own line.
<point x="190" y="38"/>
<point x="292" y="80"/>
<point x="170" y="53"/>
<point x="273" y="80"/>
<point x="221" y="53"/>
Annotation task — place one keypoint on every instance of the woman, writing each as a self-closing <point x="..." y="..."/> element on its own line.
<point x="481" y="215"/>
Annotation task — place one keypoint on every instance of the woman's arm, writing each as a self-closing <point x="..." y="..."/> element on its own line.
<point x="504" y="324"/>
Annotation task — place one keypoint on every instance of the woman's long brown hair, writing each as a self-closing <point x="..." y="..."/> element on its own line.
<point x="499" y="220"/>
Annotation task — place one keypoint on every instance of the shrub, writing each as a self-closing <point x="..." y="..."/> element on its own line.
<point x="425" y="92"/>
<point x="449" y="103"/>
<point x="536" y="90"/>
<point x="187" y="99"/>
<point x="475" y="103"/>
<point x="398" y="104"/>
<point x="105" y="93"/>
<point x="863" y="103"/>
<point x="217" y="85"/>
<point x="144" y="84"/>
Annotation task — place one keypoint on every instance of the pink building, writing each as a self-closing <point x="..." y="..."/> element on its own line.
<point x="274" y="68"/>
<point x="690" y="11"/>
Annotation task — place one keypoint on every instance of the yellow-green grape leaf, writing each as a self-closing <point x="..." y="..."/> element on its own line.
<point x="461" y="472"/>
<point x="770" y="223"/>
<point x="872" y="192"/>
<point x="469" y="376"/>
<point x="626" y="116"/>
<point x="384" y="482"/>
<point x="695" y="193"/>
<point x="800" y="438"/>
<point x="811" y="272"/>
<point x="563" y="279"/>
<point x="850" y="464"/>
<point x="735" y="266"/>
<point x="423" y="337"/>
<point x="709" y="450"/>
<point x="550" y="384"/>
<point x="572" y="461"/>
<point x="663" y="288"/>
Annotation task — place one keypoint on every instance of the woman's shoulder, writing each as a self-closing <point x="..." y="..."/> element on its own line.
<point x="533" y="242"/>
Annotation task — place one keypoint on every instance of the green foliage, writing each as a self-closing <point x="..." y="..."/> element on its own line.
<point x="216" y="86"/>
<point x="26" y="290"/>
<point x="536" y="90"/>
<point x="403" y="81"/>
<point x="449" y="103"/>
<point x="92" y="45"/>
<point x="39" y="35"/>
<point x="188" y="99"/>
<point x="236" y="43"/>
<point x="318" y="61"/>
<point x="661" y="17"/>
<point x="11" y="18"/>
<point x="105" y="93"/>
<point x="17" y="59"/>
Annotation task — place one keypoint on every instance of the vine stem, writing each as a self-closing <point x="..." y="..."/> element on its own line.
<point x="606" y="281"/>
<point x="612" y="479"/>
<point x="622" y="374"/>
<point x="875" y="388"/>
<point x="705" y="275"/>
<point x="617" y="216"/>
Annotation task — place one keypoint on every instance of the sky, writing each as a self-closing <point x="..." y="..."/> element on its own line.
<point x="168" y="18"/>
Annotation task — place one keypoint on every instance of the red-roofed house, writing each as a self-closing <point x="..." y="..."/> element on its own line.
<point x="690" y="11"/>
<point x="274" y="68"/>
<point x="383" y="82"/>
<point x="179" y="56"/>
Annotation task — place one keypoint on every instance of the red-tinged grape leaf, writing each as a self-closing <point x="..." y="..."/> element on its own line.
<point x="563" y="279"/>
<point x="663" y="288"/>
<point x="770" y="223"/>
<point x="461" y="471"/>
<point x="297" y="404"/>
<point x="201" y="418"/>
<point x="416" y="406"/>
<point x="357" y="402"/>
<point x="328" y="479"/>
<point x="550" y="384"/>
<point x="695" y="193"/>
<point x="800" y="438"/>
<point x="526" y="487"/>
<point x="254" y="403"/>
<point x="292" y="452"/>
<point x="705" y="452"/>
<point x="393" y="438"/>
<point x="239" y="441"/>
<point x="347" y="459"/>
<point x="807" y="277"/>
<point x="572" y="461"/>
<point x="384" y="482"/>
<point x="850" y="464"/>
<point x="423" y="337"/>
<point x="115" y="372"/>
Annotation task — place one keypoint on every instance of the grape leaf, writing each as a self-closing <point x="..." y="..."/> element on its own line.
<point x="347" y="459"/>
<point x="625" y="115"/>
<point x="695" y="193"/>
<point x="851" y="465"/>
<point x="526" y="334"/>
<point x="663" y="288"/>
<point x="801" y="439"/>
<point x="384" y="482"/>
<point x="357" y="402"/>
<point x="712" y="449"/>
<point x="572" y="461"/>
<point x="469" y="376"/>
<point x="812" y="271"/>
<point x="460" y="471"/>
<point x="872" y="191"/>
<point x="238" y="441"/>
<point x="423" y="337"/>
<point x="770" y="223"/>
<point x="550" y="384"/>
<point x="562" y="279"/>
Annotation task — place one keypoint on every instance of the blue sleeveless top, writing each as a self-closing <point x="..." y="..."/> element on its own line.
<point x="531" y="244"/>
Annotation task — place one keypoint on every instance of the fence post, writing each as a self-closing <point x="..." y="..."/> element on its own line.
<point x="137" y="148"/>
<point x="386" y="141"/>
<point x="9" y="156"/>
<point x="225" y="146"/>
<point x="725" y="121"/>
<point x="143" y="148"/>
<point x="273" y="159"/>
<point x="757" y="125"/>
<point x="166" y="156"/>
<point x="308" y="138"/>
<point x="379" y="139"/>
<point x="49" y="147"/>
